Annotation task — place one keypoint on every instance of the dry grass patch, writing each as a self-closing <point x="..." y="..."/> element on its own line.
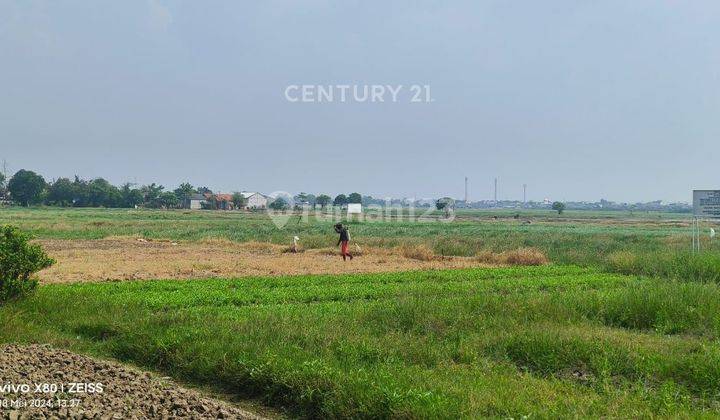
<point x="260" y="247"/>
<point x="525" y="256"/>
<point x="417" y="252"/>
<point x="134" y="258"/>
<point x="520" y="256"/>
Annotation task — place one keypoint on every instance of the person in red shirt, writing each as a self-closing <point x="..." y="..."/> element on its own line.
<point x="344" y="241"/>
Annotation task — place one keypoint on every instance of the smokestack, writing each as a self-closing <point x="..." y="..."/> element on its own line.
<point x="524" y="193"/>
<point x="496" y="191"/>
<point x="466" y="195"/>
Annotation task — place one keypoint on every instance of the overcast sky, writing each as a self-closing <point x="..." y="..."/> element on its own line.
<point x="581" y="100"/>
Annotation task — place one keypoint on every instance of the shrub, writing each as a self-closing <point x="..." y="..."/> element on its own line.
<point x="19" y="260"/>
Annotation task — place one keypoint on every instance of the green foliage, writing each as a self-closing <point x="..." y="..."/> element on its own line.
<point x="558" y="207"/>
<point x="444" y="203"/>
<point x="100" y="193"/>
<point x="168" y="200"/>
<point x="130" y="197"/>
<point x="355" y="198"/>
<point x="210" y="203"/>
<point x="679" y="265"/>
<point x="279" y="203"/>
<point x="27" y="188"/>
<point x="184" y="191"/>
<point x="239" y="200"/>
<point x="323" y="200"/>
<point x="152" y="194"/>
<point x="61" y="193"/>
<point x="340" y="200"/>
<point x="437" y="344"/>
<point x="18" y="261"/>
<point x="305" y="198"/>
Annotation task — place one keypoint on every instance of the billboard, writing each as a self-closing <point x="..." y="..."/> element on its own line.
<point x="706" y="203"/>
<point x="354" y="208"/>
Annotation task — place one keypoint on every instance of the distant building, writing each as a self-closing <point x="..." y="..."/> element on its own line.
<point x="194" y="202"/>
<point x="224" y="202"/>
<point x="255" y="200"/>
<point x="354" y="208"/>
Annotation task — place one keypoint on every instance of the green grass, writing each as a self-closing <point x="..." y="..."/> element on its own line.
<point x="647" y="244"/>
<point x="556" y="341"/>
<point x="540" y="342"/>
<point x="582" y="238"/>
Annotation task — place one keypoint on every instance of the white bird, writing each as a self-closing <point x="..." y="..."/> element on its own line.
<point x="295" y="243"/>
<point x="712" y="232"/>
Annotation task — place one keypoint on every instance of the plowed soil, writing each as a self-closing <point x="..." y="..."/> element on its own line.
<point x="125" y="393"/>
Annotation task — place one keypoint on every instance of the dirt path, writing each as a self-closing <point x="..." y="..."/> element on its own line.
<point x="94" y="389"/>
<point x="137" y="258"/>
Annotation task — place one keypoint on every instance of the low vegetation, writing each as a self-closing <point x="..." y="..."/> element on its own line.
<point x="683" y="266"/>
<point x="601" y="316"/>
<point x="510" y="342"/>
<point x="18" y="262"/>
<point x="522" y="256"/>
<point x="650" y="244"/>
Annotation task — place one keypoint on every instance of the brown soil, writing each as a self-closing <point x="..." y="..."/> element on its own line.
<point x="136" y="258"/>
<point x="126" y="392"/>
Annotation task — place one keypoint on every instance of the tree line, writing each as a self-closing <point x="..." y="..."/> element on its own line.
<point x="27" y="188"/>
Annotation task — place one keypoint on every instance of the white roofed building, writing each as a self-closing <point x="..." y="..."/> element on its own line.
<point x="255" y="200"/>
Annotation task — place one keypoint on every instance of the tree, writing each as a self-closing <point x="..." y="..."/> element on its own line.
<point x="279" y="204"/>
<point x="81" y="192"/>
<point x="311" y="199"/>
<point x="444" y="203"/>
<point x="151" y="193"/>
<point x="167" y="200"/>
<point x="61" y="193"/>
<point x="204" y="190"/>
<point x="129" y="196"/>
<point x="18" y="261"/>
<point x="355" y="198"/>
<point x="184" y="191"/>
<point x="304" y="199"/>
<point x="340" y="200"/>
<point x="210" y="203"/>
<point x="238" y="200"/>
<point x="27" y="187"/>
<point x="558" y="206"/>
<point x="368" y="200"/>
<point x="301" y="198"/>
<point x="323" y="200"/>
<point x="101" y="193"/>
<point x="2" y="184"/>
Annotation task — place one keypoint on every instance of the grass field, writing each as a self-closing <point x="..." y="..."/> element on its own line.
<point x="643" y="243"/>
<point x="539" y="342"/>
<point x="623" y="323"/>
<point x="574" y="237"/>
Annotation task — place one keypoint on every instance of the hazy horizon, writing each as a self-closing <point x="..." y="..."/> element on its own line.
<point x="579" y="100"/>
